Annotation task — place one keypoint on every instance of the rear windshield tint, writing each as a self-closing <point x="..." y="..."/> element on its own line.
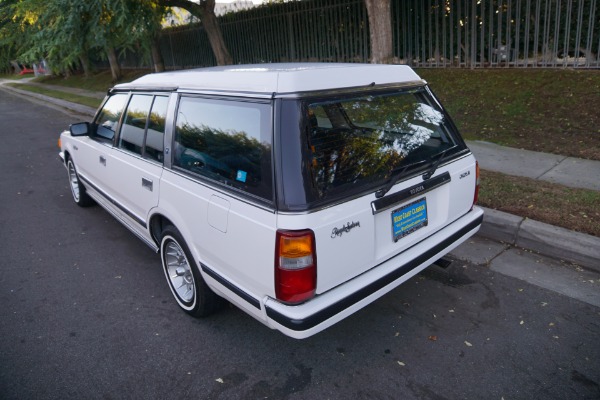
<point x="356" y="143"/>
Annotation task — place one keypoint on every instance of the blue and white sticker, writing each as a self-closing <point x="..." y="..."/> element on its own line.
<point x="241" y="176"/>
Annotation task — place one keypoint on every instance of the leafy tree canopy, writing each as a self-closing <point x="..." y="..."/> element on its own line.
<point x="67" y="31"/>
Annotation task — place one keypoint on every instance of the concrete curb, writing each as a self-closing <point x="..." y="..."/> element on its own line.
<point x="549" y="240"/>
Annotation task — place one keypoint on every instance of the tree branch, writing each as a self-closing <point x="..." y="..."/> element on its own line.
<point x="196" y="9"/>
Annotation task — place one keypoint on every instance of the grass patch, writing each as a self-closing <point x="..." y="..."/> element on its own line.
<point x="15" y="77"/>
<point x="548" y="110"/>
<point x="87" y="101"/>
<point x="99" y="82"/>
<point x="574" y="209"/>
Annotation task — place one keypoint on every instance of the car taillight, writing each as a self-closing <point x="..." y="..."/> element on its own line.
<point x="295" y="266"/>
<point x="476" y="196"/>
<point x="59" y="143"/>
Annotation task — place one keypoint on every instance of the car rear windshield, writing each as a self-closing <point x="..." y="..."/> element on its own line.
<point x="357" y="143"/>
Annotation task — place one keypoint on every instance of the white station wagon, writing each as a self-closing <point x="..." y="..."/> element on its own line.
<point x="298" y="192"/>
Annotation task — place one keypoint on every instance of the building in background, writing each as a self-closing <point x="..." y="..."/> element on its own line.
<point x="179" y="16"/>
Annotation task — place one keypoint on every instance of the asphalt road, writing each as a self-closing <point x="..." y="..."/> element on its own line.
<point x="85" y="313"/>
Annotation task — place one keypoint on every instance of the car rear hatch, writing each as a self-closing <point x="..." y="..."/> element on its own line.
<point x="380" y="171"/>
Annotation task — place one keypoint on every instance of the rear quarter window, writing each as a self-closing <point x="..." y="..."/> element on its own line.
<point x="228" y="142"/>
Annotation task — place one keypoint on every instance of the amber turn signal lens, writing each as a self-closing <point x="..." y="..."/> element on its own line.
<point x="295" y="246"/>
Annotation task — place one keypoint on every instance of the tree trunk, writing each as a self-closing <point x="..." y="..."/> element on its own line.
<point x="85" y="63"/>
<point x="206" y="12"/>
<point x="157" y="59"/>
<point x="215" y="36"/>
<point x="114" y="63"/>
<point x="380" y="30"/>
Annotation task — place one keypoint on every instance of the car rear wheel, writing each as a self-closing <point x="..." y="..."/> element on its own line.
<point x="189" y="289"/>
<point x="80" y="196"/>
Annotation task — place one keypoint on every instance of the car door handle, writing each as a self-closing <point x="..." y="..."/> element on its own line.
<point x="103" y="161"/>
<point x="147" y="183"/>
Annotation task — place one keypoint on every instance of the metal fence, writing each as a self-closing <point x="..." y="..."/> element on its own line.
<point x="426" y="33"/>
<point x="315" y="30"/>
<point x="479" y="33"/>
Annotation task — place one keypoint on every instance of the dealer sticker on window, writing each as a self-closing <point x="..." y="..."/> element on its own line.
<point x="409" y="218"/>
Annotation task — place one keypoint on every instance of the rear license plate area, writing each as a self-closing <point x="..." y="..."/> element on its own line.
<point x="407" y="219"/>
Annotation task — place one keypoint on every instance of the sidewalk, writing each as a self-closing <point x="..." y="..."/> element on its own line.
<point x="546" y="239"/>
<point x="567" y="171"/>
<point x="508" y="229"/>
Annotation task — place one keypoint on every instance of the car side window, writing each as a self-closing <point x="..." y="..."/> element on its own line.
<point x="144" y="126"/>
<point x="134" y="124"/>
<point x="109" y="116"/>
<point x="225" y="141"/>
<point x="156" y="129"/>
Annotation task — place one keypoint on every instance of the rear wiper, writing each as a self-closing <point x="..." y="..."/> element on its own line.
<point x="395" y="174"/>
<point x="435" y="164"/>
<point x="399" y="171"/>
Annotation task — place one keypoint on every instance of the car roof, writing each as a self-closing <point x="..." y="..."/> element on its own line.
<point x="278" y="78"/>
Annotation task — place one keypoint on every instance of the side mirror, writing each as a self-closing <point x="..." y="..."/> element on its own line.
<point x="80" y="129"/>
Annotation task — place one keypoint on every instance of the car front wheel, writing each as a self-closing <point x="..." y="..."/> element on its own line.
<point x="80" y="196"/>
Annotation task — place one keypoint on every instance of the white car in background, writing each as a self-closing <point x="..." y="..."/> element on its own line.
<point x="298" y="192"/>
